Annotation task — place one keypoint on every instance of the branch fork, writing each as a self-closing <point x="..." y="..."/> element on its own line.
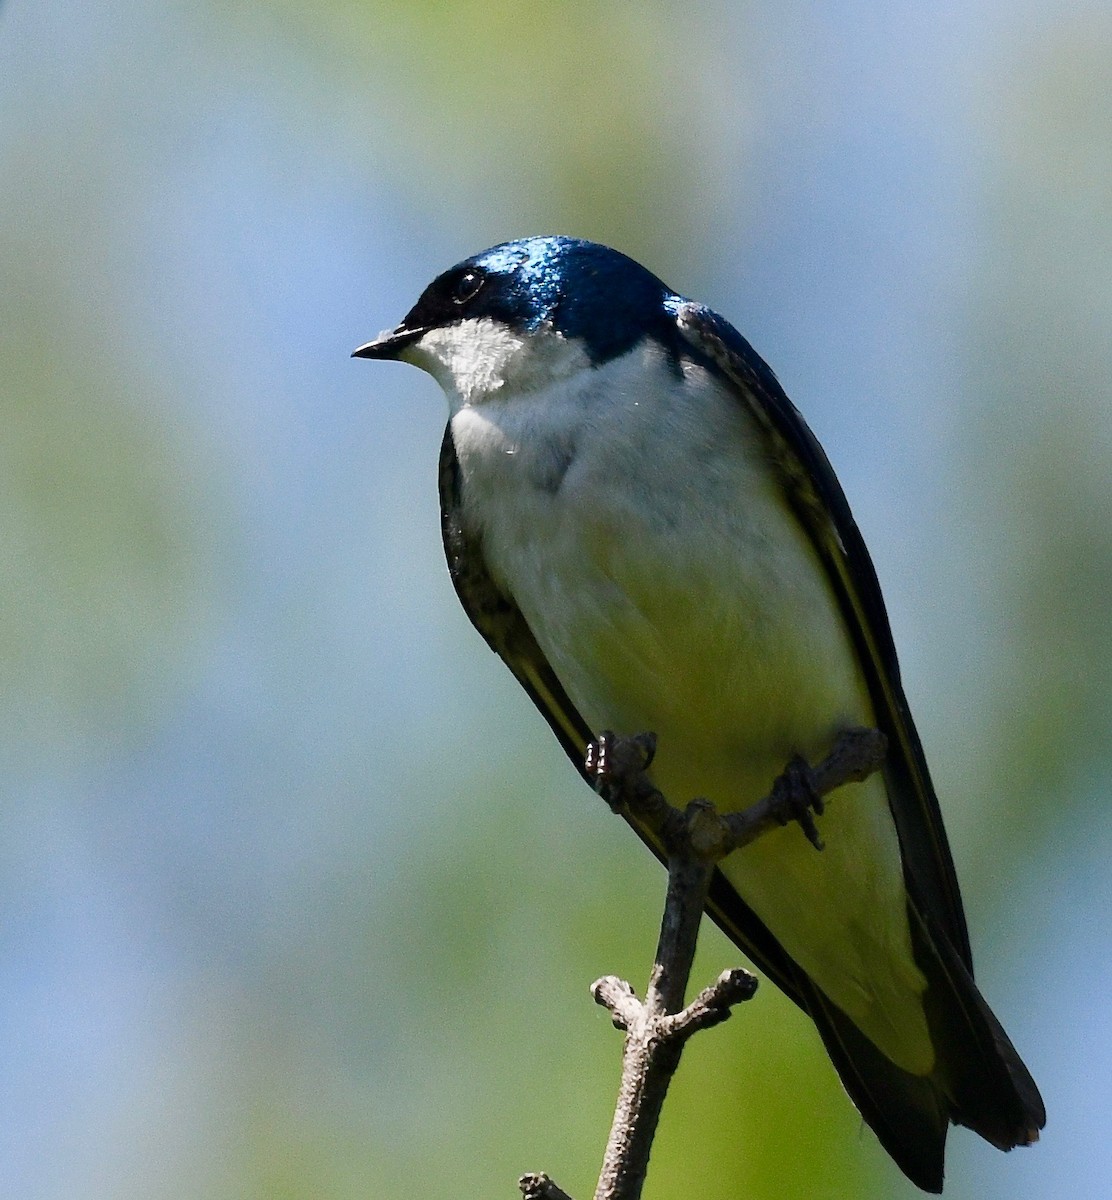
<point x="710" y="1007"/>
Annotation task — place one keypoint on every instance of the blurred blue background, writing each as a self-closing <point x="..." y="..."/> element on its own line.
<point x="298" y="896"/>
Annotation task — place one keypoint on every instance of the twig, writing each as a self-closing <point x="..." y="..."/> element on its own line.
<point x="694" y="840"/>
<point x="540" y="1187"/>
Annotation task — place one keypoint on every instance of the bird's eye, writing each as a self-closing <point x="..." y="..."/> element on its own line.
<point x="467" y="286"/>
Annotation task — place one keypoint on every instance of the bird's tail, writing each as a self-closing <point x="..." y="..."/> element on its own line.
<point x="985" y="1081"/>
<point x="978" y="1079"/>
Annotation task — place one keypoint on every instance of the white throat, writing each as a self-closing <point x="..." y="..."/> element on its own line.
<point x="476" y="359"/>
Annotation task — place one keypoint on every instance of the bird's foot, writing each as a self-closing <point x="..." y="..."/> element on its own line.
<point x="795" y="798"/>
<point x="613" y="764"/>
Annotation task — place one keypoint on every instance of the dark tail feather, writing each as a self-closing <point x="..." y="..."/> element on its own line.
<point x="907" y="1112"/>
<point x="979" y="1080"/>
<point x="989" y="1088"/>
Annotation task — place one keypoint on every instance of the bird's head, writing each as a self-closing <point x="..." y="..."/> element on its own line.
<point x="526" y="312"/>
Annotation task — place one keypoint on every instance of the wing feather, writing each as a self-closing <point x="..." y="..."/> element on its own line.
<point x="821" y="507"/>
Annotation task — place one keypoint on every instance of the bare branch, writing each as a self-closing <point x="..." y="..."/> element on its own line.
<point x="694" y="840"/>
<point x="712" y="1005"/>
<point x="538" y="1186"/>
<point x="618" y="998"/>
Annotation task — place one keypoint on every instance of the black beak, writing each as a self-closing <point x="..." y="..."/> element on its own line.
<point x="390" y="344"/>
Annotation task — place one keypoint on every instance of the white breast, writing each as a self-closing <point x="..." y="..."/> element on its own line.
<point x="633" y="518"/>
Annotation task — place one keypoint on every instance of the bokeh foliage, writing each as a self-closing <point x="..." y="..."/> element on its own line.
<point x="300" y="899"/>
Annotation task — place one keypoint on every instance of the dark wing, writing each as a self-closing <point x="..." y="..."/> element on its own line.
<point x="499" y="620"/>
<point x="979" y="1080"/>
<point x="820" y="505"/>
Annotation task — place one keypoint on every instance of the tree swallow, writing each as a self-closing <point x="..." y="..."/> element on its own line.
<point x="640" y="523"/>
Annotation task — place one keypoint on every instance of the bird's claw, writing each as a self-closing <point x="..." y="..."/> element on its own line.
<point x="611" y="760"/>
<point x="797" y="800"/>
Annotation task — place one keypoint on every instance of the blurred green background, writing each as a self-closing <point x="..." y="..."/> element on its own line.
<point x="299" y="897"/>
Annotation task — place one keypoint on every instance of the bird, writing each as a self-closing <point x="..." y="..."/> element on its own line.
<point x="640" y="523"/>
